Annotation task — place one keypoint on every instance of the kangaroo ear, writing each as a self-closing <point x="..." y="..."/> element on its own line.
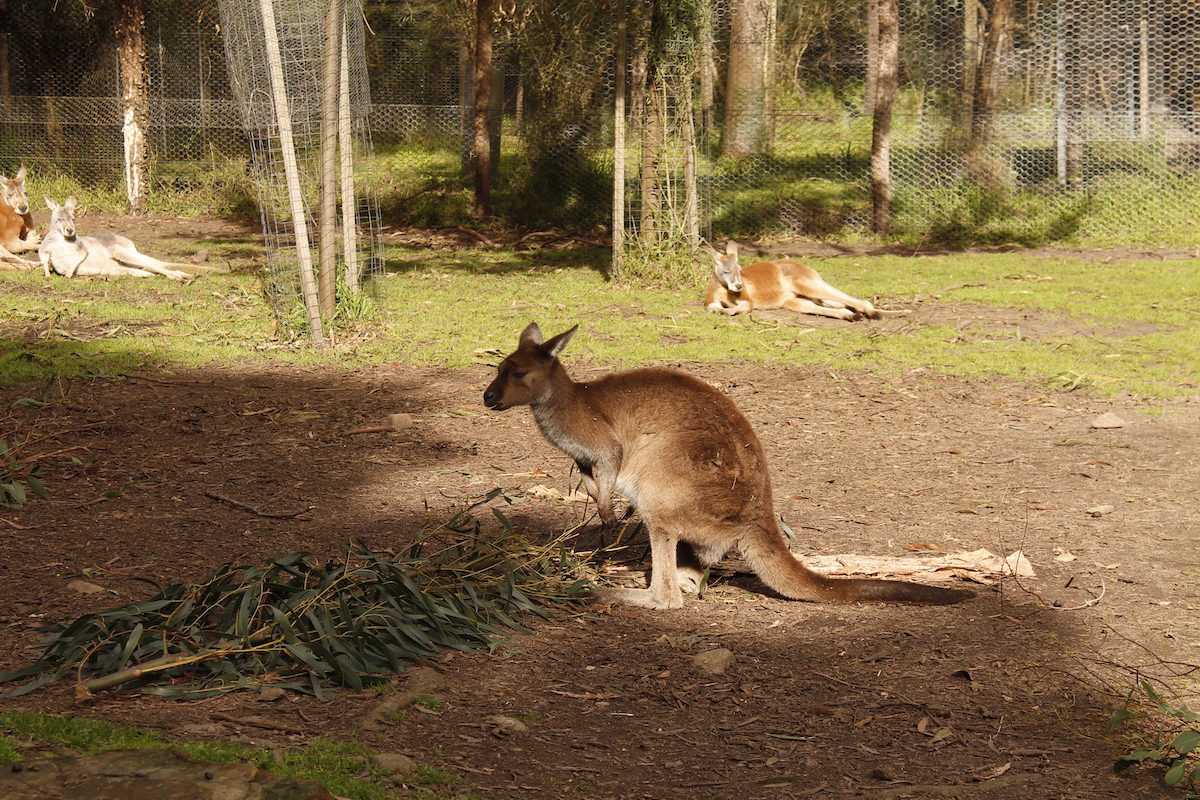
<point x="20" y="174"/>
<point x="50" y="204"/>
<point x="531" y="336"/>
<point x="559" y="343"/>
<point x="731" y="248"/>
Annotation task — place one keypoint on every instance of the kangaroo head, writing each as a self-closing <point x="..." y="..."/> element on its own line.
<point x="726" y="268"/>
<point x="12" y="192"/>
<point x="62" y="218"/>
<point x="524" y="377"/>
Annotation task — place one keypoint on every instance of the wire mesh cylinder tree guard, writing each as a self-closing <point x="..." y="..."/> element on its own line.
<point x="299" y="72"/>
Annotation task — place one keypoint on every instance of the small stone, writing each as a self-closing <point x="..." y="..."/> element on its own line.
<point x="271" y="694"/>
<point x="714" y="661"/>
<point x="394" y="763"/>
<point x="501" y="725"/>
<point x="1100" y="511"/>
<point x="85" y="587"/>
<point x="1109" y="420"/>
<point x="200" y="256"/>
<point x="400" y="422"/>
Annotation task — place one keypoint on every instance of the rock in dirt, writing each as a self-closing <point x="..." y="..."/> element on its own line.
<point x="394" y="763"/>
<point x="501" y="725"/>
<point x="85" y="587"/>
<point x="1100" y="511"/>
<point x="149" y="775"/>
<point x="714" y="661"/>
<point x="1109" y="420"/>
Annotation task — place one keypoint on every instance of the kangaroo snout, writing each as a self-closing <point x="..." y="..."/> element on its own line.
<point x="491" y="398"/>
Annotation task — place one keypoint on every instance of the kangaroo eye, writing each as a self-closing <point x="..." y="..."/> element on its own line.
<point x="519" y="375"/>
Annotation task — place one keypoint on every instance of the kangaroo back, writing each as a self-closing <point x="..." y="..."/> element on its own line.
<point x="690" y="462"/>
<point x="17" y="232"/>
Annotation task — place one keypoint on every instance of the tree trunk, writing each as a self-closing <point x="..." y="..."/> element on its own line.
<point x="650" y="217"/>
<point x="135" y="104"/>
<point x="484" y="12"/>
<point x="988" y="86"/>
<point x="327" y="246"/>
<point x="746" y="88"/>
<point x="886" y="83"/>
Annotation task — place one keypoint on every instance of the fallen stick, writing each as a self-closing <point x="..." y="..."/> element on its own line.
<point x="254" y="509"/>
<point x="257" y="722"/>
<point x="181" y="381"/>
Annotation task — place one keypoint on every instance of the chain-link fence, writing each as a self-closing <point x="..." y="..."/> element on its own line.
<point x="1015" y="120"/>
<point x="298" y="70"/>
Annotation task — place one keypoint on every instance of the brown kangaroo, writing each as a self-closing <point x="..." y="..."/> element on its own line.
<point x="17" y="233"/>
<point x="734" y="289"/>
<point x="689" y="461"/>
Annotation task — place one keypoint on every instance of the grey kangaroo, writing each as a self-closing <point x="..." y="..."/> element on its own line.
<point x="688" y="460"/>
<point x="66" y="252"/>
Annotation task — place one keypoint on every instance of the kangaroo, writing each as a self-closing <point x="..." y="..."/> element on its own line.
<point x="17" y="232"/>
<point x="65" y="252"/>
<point x="734" y="289"/>
<point x="689" y="461"/>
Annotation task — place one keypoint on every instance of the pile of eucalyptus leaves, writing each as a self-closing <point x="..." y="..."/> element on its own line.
<point x="309" y="627"/>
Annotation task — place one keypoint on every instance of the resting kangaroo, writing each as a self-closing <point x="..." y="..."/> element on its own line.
<point x="103" y="253"/>
<point x="17" y="233"/>
<point x="734" y="289"/>
<point x="684" y="455"/>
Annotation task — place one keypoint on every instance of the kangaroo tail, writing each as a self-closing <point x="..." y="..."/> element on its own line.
<point x="784" y="573"/>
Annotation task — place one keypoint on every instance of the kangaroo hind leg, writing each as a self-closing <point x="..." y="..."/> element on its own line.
<point x="664" y="592"/>
<point x="802" y="305"/>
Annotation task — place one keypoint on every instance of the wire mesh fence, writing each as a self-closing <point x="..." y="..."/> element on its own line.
<point x="1015" y="120"/>
<point x="300" y="79"/>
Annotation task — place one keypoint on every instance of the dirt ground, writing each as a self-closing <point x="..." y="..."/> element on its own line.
<point x="1002" y="697"/>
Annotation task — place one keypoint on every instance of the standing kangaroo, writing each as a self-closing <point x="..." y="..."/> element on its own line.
<point x="684" y="455"/>
<point x="65" y="252"/>
<point x="734" y="289"/>
<point x="17" y="233"/>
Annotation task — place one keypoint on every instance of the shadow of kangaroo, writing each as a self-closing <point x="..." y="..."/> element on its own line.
<point x="688" y="460"/>
<point x="764" y="285"/>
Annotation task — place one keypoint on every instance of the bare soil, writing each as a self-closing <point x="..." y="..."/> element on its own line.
<point x="1005" y="696"/>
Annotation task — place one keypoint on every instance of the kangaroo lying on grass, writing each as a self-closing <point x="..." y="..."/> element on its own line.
<point x="734" y="289"/>
<point x="103" y="253"/>
<point x="684" y="455"/>
<point x="17" y="233"/>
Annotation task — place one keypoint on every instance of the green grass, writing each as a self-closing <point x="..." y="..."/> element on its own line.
<point x="339" y="766"/>
<point x="449" y="308"/>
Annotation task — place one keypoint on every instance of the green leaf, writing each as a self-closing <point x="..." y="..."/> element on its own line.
<point x="1121" y="715"/>
<point x="36" y="486"/>
<point x="1175" y="774"/>
<point x="1186" y="742"/>
<point x="131" y="644"/>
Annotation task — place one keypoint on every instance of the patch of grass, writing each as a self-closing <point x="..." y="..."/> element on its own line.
<point x="336" y="765"/>
<point x="425" y="775"/>
<point x="430" y="702"/>
<point x="1119" y="326"/>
